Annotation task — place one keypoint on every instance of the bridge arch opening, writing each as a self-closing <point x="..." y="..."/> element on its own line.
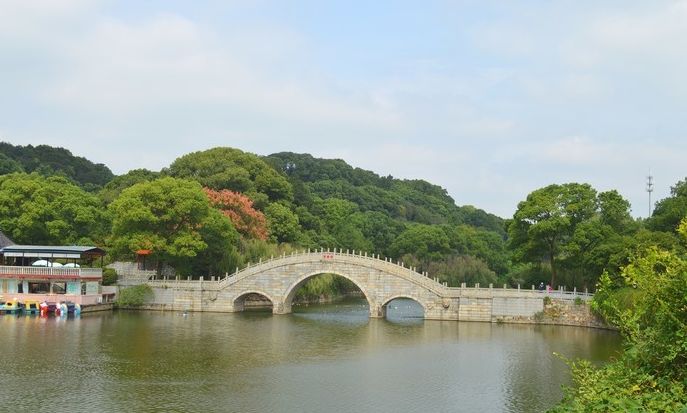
<point x="403" y="308"/>
<point x="318" y="287"/>
<point x="253" y="301"/>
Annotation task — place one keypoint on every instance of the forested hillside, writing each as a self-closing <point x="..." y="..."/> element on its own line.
<point x="211" y="211"/>
<point x="47" y="161"/>
<point x="408" y="200"/>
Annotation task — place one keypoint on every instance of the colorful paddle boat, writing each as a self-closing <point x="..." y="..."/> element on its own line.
<point x="13" y="307"/>
<point x="63" y="310"/>
<point x="73" y="308"/>
<point x="32" y="307"/>
<point x="47" y="308"/>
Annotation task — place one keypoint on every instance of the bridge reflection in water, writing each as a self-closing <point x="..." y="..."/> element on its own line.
<point x="322" y="358"/>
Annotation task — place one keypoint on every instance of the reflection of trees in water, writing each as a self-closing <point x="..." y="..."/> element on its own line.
<point x="225" y="348"/>
<point x="151" y="360"/>
<point x="207" y="345"/>
<point x="534" y="373"/>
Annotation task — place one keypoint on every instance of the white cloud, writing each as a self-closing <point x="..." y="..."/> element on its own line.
<point x="582" y="151"/>
<point x="479" y="108"/>
<point x="123" y="68"/>
<point x="575" y="150"/>
<point x="642" y="32"/>
<point x="503" y="38"/>
<point x="32" y="30"/>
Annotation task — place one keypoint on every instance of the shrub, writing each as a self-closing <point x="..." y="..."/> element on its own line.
<point x="651" y="374"/>
<point x="134" y="296"/>
<point x="109" y="276"/>
<point x="578" y="301"/>
<point x="547" y="300"/>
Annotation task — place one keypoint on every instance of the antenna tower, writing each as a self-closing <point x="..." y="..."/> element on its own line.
<point x="650" y="189"/>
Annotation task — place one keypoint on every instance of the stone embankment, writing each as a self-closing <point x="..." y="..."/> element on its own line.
<point x="560" y="312"/>
<point x="97" y="308"/>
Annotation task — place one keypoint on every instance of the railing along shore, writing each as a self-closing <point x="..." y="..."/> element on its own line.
<point x="50" y="271"/>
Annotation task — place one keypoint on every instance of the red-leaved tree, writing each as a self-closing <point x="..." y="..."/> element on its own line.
<point x="239" y="209"/>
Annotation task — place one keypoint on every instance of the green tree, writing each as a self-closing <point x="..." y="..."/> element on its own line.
<point x="222" y="239"/>
<point x="546" y="220"/>
<point x="378" y="228"/>
<point x="9" y="165"/>
<point x="604" y="242"/>
<point x="335" y="211"/>
<point x="594" y="248"/>
<point x="238" y="171"/>
<point x="651" y="374"/>
<point x="348" y="236"/>
<point x="682" y="229"/>
<point x="489" y="246"/>
<point x="49" y="211"/>
<point x="172" y="217"/>
<point x="615" y="211"/>
<point x="457" y="269"/>
<point x="428" y="243"/>
<point x="670" y="211"/>
<point x="112" y="189"/>
<point x="283" y="224"/>
<point x="600" y="243"/>
<point x="47" y="160"/>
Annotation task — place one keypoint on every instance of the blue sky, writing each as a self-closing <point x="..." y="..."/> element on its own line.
<point x="490" y="100"/>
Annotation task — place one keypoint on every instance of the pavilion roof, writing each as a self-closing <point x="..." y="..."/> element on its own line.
<point x="51" y="251"/>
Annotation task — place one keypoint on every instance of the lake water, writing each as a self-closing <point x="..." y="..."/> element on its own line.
<point x="323" y="358"/>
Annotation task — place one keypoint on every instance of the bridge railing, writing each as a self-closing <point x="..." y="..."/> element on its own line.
<point x="560" y="293"/>
<point x="397" y="268"/>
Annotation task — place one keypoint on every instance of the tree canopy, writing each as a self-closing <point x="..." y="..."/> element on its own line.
<point x="567" y="233"/>
<point x="112" y="189"/>
<point x="576" y="232"/>
<point x="546" y="220"/>
<point x="283" y="223"/>
<point x="235" y="170"/>
<point x="173" y="218"/>
<point x="670" y="211"/>
<point x="239" y="209"/>
<point x="47" y="160"/>
<point x="406" y="200"/>
<point x="426" y="242"/>
<point x="49" y="211"/>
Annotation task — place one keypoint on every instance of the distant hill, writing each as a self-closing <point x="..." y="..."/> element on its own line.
<point x="47" y="160"/>
<point x="404" y="200"/>
<point x="408" y="200"/>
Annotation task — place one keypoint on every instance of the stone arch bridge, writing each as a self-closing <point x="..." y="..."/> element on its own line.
<point x="380" y="281"/>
